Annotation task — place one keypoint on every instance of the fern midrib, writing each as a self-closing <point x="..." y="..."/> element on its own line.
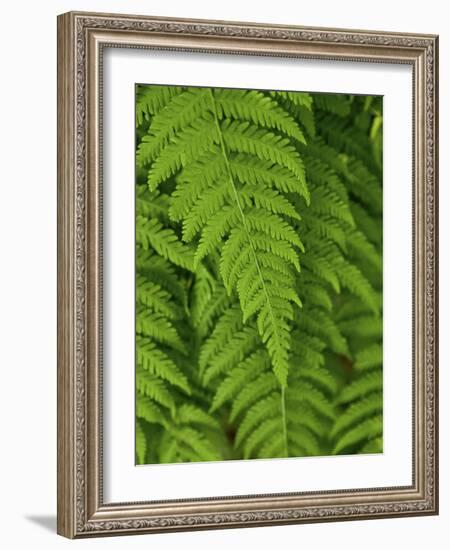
<point x="255" y="257"/>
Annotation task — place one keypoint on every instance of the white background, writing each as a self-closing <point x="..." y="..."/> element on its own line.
<point x="28" y="275"/>
<point x="123" y="482"/>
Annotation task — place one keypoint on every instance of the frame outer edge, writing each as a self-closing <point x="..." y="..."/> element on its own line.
<point x="75" y="482"/>
<point x="435" y="219"/>
<point x="66" y="490"/>
<point x="436" y="213"/>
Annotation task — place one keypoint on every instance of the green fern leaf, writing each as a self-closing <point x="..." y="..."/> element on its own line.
<point x="152" y="205"/>
<point x="155" y="297"/>
<point x="305" y="442"/>
<point x="150" y="233"/>
<point x="369" y="357"/>
<point x="188" y="145"/>
<point x="195" y="440"/>
<point x="373" y="446"/>
<point x="254" y="106"/>
<point x="369" y="429"/>
<point x="240" y="344"/>
<point x="303" y="391"/>
<point x="357" y="411"/>
<point x="243" y="137"/>
<point x="161" y="272"/>
<point x="158" y="363"/>
<point x="261" y="386"/>
<point x="334" y="103"/>
<point x="269" y="406"/>
<point x="240" y="376"/>
<point x="183" y="110"/>
<point x="149" y="410"/>
<point x="190" y="414"/>
<point x="228" y="323"/>
<point x="149" y="385"/>
<point x="297" y="98"/>
<point x="141" y="444"/>
<point x="157" y="327"/>
<point x="150" y="100"/>
<point x="361" y="387"/>
<point x="265" y="431"/>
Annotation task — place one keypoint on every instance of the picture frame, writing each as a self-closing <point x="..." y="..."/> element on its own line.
<point x="82" y="40"/>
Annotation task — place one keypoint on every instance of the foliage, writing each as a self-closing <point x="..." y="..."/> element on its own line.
<point x="258" y="274"/>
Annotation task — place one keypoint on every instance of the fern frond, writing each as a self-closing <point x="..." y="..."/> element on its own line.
<point x="369" y="429"/>
<point x="157" y="327"/>
<point x="361" y="247"/>
<point x="300" y="99"/>
<point x="357" y="411"/>
<point x="196" y="177"/>
<point x="238" y="346"/>
<point x="302" y="391"/>
<point x="255" y="107"/>
<point x="370" y="226"/>
<point x="327" y="228"/>
<point x="301" y="413"/>
<point x="242" y="137"/>
<point x="260" y="387"/>
<point x="333" y="103"/>
<point x="373" y="446"/>
<point x="190" y="414"/>
<point x="319" y="377"/>
<point x="150" y="233"/>
<point x="182" y="443"/>
<point x="177" y="114"/>
<point x="362" y="386"/>
<point x="303" y="442"/>
<point x="347" y="139"/>
<point x="264" y="432"/>
<point x="149" y="410"/>
<point x="307" y="349"/>
<point x="204" y="313"/>
<point x="239" y="376"/>
<point x="161" y="272"/>
<point x="352" y="278"/>
<point x="317" y="323"/>
<point x="203" y="450"/>
<point x="299" y="105"/>
<point x="151" y="386"/>
<point x="141" y="444"/>
<point x="364" y="185"/>
<point x="152" y="205"/>
<point x="268" y="406"/>
<point x="314" y="292"/>
<point x="193" y="142"/>
<point x="268" y="199"/>
<point x="155" y="297"/>
<point x="155" y="361"/>
<point x="368" y="327"/>
<point x="273" y="446"/>
<point x="369" y="357"/>
<point x="150" y="100"/>
<point x="251" y="170"/>
<point x="227" y="325"/>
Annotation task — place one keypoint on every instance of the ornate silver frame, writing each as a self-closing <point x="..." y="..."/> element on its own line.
<point x="81" y="510"/>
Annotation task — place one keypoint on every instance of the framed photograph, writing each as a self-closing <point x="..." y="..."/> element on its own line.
<point x="247" y="274"/>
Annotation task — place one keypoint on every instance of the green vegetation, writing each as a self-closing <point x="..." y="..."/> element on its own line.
<point x="258" y="274"/>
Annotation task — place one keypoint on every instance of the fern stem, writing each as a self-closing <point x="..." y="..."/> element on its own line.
<point x="252" y="247"/>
